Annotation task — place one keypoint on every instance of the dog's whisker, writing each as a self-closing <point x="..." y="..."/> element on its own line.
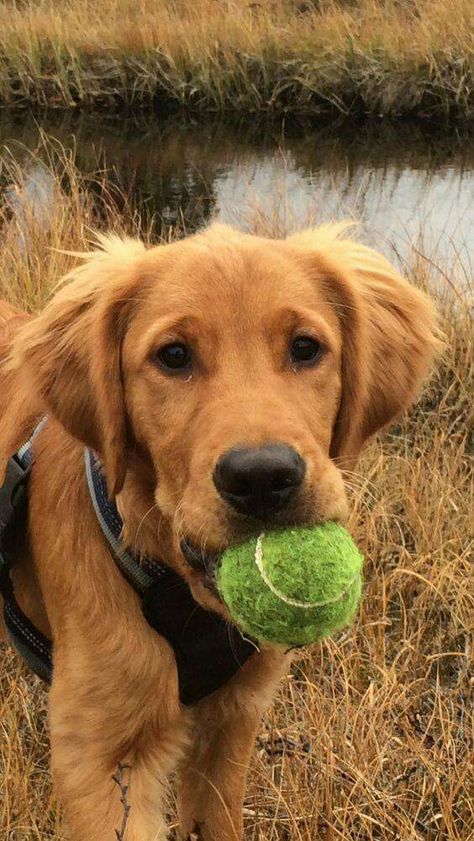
<point x="152" y="508"/>
<point x="362" y="494"/>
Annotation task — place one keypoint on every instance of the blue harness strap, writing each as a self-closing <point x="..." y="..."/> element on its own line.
<point x="208" y="650"/>
<point x="111" y="525"/>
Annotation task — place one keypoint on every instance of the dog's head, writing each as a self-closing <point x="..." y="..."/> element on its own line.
<point x="240" y="374"/>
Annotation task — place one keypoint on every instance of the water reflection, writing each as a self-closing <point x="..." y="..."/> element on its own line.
<point x="403" y="183"/>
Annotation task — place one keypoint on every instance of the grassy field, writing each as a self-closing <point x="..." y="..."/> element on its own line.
<point x="387" y="57"/>
<point x="370" y="737"/>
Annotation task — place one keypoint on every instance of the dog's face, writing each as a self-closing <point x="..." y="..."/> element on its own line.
<point x="245" y="371"/>
<point x="232" y="371"/>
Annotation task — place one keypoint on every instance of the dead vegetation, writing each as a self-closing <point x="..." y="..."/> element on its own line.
<point x="370" y="738"/>
<point x="385" y="57"/>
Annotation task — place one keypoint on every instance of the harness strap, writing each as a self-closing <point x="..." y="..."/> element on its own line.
<point x="32" y="646"/>
<point x="29" y="641"/>
<point x="208" y="650"/>
<point x="111" y="525"/>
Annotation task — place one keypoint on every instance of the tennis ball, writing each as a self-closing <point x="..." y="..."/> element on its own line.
<point x="292" y="587"/>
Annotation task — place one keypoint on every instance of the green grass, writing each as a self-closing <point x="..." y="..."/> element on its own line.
<point x="387" y="57"/>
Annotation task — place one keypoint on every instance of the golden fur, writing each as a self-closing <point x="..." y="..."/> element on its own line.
<point x="87" y="360"/>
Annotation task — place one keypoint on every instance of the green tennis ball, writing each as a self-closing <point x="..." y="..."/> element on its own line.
<point x="292" y="587"/>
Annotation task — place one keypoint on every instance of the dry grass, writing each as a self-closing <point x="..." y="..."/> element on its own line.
<point x="370" y="738"/>
<point x="351" y="56"/>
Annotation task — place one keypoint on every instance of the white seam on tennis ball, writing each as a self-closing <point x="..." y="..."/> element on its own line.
<point x="282" y="596"/>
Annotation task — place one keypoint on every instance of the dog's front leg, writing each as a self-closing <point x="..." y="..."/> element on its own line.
<point x="112" y="749"/>
<point x="213" y="775"/>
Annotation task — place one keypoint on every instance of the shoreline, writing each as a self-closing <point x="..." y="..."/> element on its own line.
<point x="48" y="93"/>
<point x="442" y="122"/>
<point x="314" y="59"/>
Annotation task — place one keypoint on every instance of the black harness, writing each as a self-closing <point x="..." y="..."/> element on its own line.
<point x="208" y="650"/>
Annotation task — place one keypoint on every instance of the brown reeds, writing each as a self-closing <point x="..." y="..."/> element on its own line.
<point x="370" y="737"/>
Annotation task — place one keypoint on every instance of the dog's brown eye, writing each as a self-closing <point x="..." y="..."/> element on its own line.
<point x="305" y="349"/>
<point x="175" y="357"/>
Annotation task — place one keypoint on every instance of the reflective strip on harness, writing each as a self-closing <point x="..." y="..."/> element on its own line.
<point x="111" y="525"/>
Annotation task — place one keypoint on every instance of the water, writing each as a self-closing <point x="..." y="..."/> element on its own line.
<point x="408" y="185"/>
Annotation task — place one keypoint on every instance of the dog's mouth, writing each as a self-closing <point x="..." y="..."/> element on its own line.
<point x="202" y="562"/>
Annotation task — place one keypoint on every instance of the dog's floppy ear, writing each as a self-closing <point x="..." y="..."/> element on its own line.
<point x="69" y="356"/>
<point x="18" y="410"/>
<point x="389" y="333"/>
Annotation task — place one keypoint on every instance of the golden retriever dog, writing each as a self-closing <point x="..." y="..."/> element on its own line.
<point x="225" y="381"/>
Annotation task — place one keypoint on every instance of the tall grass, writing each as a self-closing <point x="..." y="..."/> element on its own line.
<point x="308" y="56"/>
<point x="370" y="738"/>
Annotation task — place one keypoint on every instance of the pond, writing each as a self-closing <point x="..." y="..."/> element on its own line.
<point x="408" y="184"/>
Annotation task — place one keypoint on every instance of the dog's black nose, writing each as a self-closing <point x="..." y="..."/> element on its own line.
<point x="259" y="481"/>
